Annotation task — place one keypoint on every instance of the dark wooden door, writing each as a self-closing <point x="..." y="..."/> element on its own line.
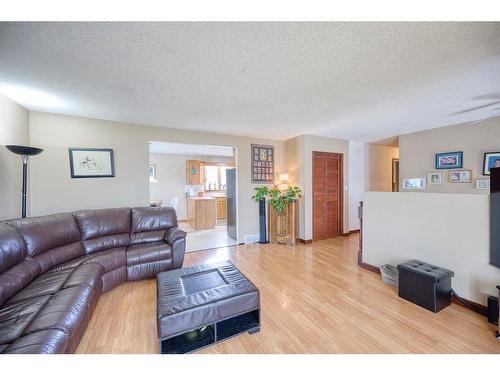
<point x="327" y="195"/>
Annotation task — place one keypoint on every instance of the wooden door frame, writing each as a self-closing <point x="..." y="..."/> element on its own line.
<point x="394" y="181"/>
<point x="341" y="190"/>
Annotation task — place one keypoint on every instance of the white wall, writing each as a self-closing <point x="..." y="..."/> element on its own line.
<point x="296" y="171"/>
<point x="171" y="176"/>
<point x="378" y="167"/>
<point x="447" y="230"/>
<point x="14" y="129"/>
<point x="417" y="152"/>
<point x="370" y="169"/>
<point x="54" y="191"/>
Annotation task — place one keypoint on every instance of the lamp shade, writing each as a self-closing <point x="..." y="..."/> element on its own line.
<point x="24" y="150"/>
<point x="283" y="177"/>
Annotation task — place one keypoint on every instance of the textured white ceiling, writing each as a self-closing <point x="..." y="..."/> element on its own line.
<point x="361" y="81"/>
<point x="189" y="149"/>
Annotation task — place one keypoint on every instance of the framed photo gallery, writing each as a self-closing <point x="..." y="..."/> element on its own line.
<point x="454" y="161"/>
<point x="262" y="164"/>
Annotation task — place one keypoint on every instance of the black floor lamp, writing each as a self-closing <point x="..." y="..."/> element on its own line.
<point x="25" y="152"/>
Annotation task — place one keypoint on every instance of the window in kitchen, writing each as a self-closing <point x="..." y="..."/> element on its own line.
<point x="215" y="177"/>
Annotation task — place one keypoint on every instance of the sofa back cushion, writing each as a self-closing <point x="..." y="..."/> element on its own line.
<point x="104" y="229"/>
<point x="149" y="224"/>
<point x="50" y="239"/>
<point x="16" y="271"/>
<point x="12" y="247"/>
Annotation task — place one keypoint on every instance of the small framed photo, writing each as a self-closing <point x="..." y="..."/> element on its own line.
<point x="91" y="162"/>
<point x="461" y="177"/>
<point x="434" y="178"/>
<point x="152" y="173"/>
<point x="450" y="160"/>
<point x="483" y="184"/>
<point x="491" y="160"/>
<point x="152" y="170"/>
<point x="414" y="183"/>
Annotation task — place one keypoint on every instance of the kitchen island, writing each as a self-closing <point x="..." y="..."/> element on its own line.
<point x="201" y="212"/>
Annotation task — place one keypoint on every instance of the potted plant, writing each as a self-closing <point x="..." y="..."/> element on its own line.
<point x="279" y="200"/>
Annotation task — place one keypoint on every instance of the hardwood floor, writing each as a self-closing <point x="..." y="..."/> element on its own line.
<point x="200" y="239"/>
<point x="315" y="299"/>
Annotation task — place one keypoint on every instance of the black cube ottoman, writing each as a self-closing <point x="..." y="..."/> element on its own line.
<point x="202" y="305"/>
<point x="425" y="285"/>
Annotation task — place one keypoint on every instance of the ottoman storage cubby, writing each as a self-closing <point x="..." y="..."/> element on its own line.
<point x="425" y="285"/>
<point x="200" y="306"/>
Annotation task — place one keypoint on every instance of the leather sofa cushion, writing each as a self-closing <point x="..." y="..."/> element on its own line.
<point x="114" y="278"/>
<point x="44" y="285"/>
<point x="106" y="242"/>
<point x="49" y="341"/>
<point x="149" y="224"/>
<point x="173" y="234"/>
<point x="51" y="258"/>
<point x="98" y="223"/>
<point x="12" y="247"/>
<point x="149" y="252"/>
<point x="50" y="283"/>
<point x="153" y="218"/>
<point x="16" y="317"/>
<point x="109" y="259"/>
<point x="104" y="229"/>
<point x="86" y="274"/>
<point x="47" y="232"/>
<point x="17" y="277"/>
<point x="64" y="310"/>
<point x="148" y="270"/>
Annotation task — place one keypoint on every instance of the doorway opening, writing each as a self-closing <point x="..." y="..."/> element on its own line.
<point x="327" y="197"/>
<point x="199" y="182"/>
<point x="395" y="174"/>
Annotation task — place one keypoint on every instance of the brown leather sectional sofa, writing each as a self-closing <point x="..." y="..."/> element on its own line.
<point x="54" y="268"/>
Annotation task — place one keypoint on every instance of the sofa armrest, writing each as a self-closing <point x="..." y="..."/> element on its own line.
<point x="176" y="238"/>
<point x="173" y="234"/>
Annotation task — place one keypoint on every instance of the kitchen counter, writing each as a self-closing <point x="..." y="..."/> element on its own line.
<point x="201" y="212"/>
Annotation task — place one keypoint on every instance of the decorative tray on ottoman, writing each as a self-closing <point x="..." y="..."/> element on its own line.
<point x="200" y="306"/>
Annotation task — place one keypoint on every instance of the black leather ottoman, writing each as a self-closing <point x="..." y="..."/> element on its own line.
<point x="425" y="285"/>
<point x="202" y="305"/>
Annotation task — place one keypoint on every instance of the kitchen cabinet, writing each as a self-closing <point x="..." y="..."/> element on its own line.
<point x="194" y="172"/>
<point x="201" y="212"/>
<point x="221" y="208"/>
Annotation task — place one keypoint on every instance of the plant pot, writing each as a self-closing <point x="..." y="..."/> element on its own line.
<point x="283" y="228"/>
<point x="262" y="222"/>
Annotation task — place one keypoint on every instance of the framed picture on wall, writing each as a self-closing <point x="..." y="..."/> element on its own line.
<point x="414" y="183"/>
<point x="483" y="184"/>
<point x="449" y="160"/>
<point x="91" y="162"/>
<point x="262" y="164"/>
<point x="434" y="178"/>
<point x="461" y="177"/>
<point x="152" y="173"/>
<point x="491" y="160"/>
